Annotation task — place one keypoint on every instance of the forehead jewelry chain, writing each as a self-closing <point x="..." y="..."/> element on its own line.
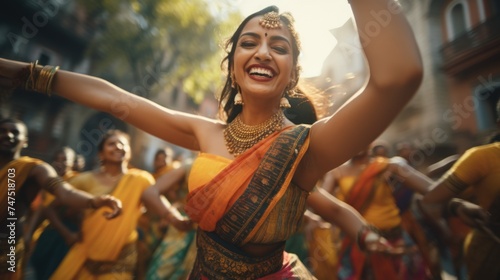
<point x="239" y="137"/>
<point x="270" y="20"/>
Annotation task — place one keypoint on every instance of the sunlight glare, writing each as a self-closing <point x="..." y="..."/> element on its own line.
<point x="314" y="19"/>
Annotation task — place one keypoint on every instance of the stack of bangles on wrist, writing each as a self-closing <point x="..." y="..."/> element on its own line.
<point x="40" y="78"/>
<point x="366" y="233"/>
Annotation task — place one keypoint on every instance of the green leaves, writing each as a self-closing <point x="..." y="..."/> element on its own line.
<point x="153" y="46"/>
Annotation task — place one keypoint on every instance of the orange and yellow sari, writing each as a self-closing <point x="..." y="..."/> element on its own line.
<point x="250" y="201"/>
<point x="372" y="198"/>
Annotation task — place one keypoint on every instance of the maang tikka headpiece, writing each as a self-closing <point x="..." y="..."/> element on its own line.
<point x="270" y="20"/>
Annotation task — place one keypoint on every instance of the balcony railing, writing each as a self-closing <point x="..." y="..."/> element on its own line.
<point x="472" y="47"/>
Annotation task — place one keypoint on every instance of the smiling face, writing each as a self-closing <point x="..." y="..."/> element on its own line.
<point x="115" y="149"/>
<point x="13" y="137"/>
<point x="239" y="57"/>
<point x="263" y="61"/>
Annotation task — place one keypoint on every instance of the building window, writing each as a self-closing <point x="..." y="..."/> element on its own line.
<point x="457" y="19"/>
<point x="486" y="97"/>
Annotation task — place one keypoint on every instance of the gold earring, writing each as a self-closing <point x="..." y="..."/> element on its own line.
<point x="284" y="103"/>
<point x="238" y="100"/>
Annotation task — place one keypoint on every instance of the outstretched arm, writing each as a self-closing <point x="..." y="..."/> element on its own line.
<point x="47" y="179"/>
<point x="172" y="126"/>
<point x="409" y="176"/>
<point x="395" y="68"/>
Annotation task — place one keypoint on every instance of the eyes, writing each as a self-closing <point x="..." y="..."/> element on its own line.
<point x="15" y="132"/>
<point x="277" y="46"/>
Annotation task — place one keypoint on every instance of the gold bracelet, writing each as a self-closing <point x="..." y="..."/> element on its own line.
<point x="48" y="89"/>
<point x="40" y="78"/>
<point x="29" y="84"/>
<point x="44" y="79"/>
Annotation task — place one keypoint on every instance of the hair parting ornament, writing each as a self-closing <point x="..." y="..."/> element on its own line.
<point x="271" y="20"/>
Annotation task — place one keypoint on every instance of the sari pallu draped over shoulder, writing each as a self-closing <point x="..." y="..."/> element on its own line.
<point x="12" y="178"/>
<point x="359" y="197"/>
<point x="232" y="207"/>
<point x="208" y="204"/>
<point x="355" y="264"/>
<point x="103" y="240"/>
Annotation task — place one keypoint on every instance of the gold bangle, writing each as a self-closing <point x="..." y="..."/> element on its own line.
<point x="44" y="79"/>
<point x="29" y="84"/>
<point x="48" y="89"/>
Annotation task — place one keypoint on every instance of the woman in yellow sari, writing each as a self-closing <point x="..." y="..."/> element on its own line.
<point x="107" y="249"/>
<point x="249" y="184"/>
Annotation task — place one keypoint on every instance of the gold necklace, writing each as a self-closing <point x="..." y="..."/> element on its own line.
<point x="239" y="137"/>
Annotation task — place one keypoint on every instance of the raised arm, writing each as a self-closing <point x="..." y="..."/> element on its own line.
<point x="395" y="74"/>
<point x="170" y="125"/>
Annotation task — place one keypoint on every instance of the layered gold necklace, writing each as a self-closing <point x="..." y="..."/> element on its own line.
<point x="240" y="137"/>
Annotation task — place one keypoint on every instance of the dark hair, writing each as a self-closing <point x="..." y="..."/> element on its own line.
<point x="11" y="120"/>
<point x="226" y="100"/>
<point x="167" y="152"/>
<point x="494" y="138"/>
<point x="108" y="134"/>
<point x="65" y="150"/>
<point x="15" y="121"/>
<point x="302" y="110"/>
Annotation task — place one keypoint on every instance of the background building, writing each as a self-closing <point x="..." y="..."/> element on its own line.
<point x="454" y="108"/>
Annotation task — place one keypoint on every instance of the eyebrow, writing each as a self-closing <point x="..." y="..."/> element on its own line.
<point x="272" y="38"/>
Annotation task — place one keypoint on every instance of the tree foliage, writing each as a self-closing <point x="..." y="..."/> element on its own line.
<point x="150" y="46"/>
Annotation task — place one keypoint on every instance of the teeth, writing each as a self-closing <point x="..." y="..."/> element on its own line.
<point x="261" y="72"/>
